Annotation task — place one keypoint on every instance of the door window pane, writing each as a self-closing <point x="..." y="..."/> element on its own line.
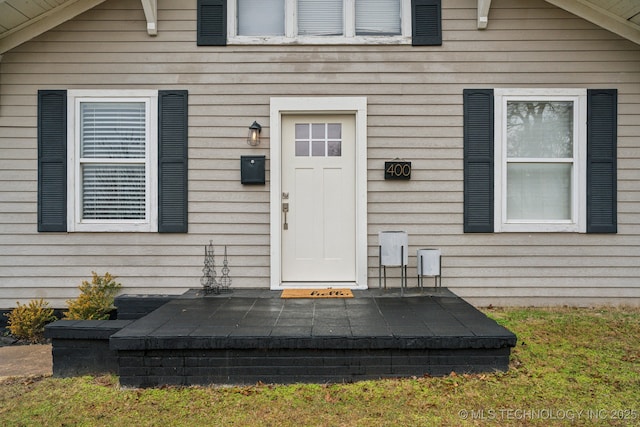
<point x="334" y="148"/>
<point x="302" y="148"/>
<point x="377" y="17"/>
<point x="317" y="148"/>
<point x="334" y="130"/>
<point x="320" y="18"/>
<point x="261" y="17"/>
<point x="317" y="130"/>
<point x="318" y="139"/>
<point x="302" y="131"/>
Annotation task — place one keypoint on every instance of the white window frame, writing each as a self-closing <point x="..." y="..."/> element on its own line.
<point x="291" y="31"/>
<point x="75" y="223"/>
<point x="578" y="222"/>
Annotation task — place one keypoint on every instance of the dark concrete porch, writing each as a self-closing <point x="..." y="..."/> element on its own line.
<point x="253" y="335"/>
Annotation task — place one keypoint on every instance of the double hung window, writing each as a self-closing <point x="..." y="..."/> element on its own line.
<point x="540" y="158"/>
<point x="112" y="161"/>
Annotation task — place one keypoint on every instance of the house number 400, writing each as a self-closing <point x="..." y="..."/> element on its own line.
<point x="397" y="170"/>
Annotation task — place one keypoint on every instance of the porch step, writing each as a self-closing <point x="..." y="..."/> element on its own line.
<point x="249" y="336"/>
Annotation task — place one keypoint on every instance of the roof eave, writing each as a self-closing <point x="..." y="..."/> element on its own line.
<point x="600" y="17"/>
<point x="62" y="13"/>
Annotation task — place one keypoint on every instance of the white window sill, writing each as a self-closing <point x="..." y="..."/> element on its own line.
<point x="112" y="227"/>
<point x="315" y="40"/>
<point x="539" y="227"/>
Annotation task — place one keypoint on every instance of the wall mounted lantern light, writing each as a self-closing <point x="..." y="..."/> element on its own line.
<point x="254" y="134"/>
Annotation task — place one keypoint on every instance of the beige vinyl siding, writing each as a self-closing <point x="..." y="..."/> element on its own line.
<point x="414" y="97"/>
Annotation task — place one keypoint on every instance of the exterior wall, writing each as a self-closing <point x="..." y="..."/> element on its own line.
<point x="414" y="97"/>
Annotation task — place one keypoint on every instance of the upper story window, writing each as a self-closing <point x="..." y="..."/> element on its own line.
<point x="314" y="21"/>
<point x="415" y="22"/>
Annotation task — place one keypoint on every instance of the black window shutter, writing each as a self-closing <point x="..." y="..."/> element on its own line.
<point x="212" y="22"/>
<point x="478" y="161"/>
<point x="602" y="135"/>
<point x="52" y="160"/>
<point x="172" y="161"/>
<point x="426" y="22"/>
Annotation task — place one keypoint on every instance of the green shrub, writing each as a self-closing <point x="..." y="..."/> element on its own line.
<point x="27" y="321"/>
<point x="95" y="300"/>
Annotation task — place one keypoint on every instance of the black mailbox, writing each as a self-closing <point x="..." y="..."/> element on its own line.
<point x="252" y="169"/>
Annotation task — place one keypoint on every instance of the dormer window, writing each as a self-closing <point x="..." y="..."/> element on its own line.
<point x="304" y="20"/>
<point x="416" y="22"/>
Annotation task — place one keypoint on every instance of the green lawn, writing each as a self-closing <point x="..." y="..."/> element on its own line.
<point x="570" y="367"/>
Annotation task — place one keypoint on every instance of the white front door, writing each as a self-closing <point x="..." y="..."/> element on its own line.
<point x="318" y="200"/>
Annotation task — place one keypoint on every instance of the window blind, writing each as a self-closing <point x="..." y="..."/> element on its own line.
<point x="377" y="17"/>
<point x="320" y="18"/>
<point x="113" y="192"/>
<point x="112" y="159"/>
<point x="112" y="130"/>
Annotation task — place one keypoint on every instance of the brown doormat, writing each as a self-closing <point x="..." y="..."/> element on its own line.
<point x="317" y="293"/>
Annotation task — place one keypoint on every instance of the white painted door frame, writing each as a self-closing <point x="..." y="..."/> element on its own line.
<point x="318" y="105"/>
